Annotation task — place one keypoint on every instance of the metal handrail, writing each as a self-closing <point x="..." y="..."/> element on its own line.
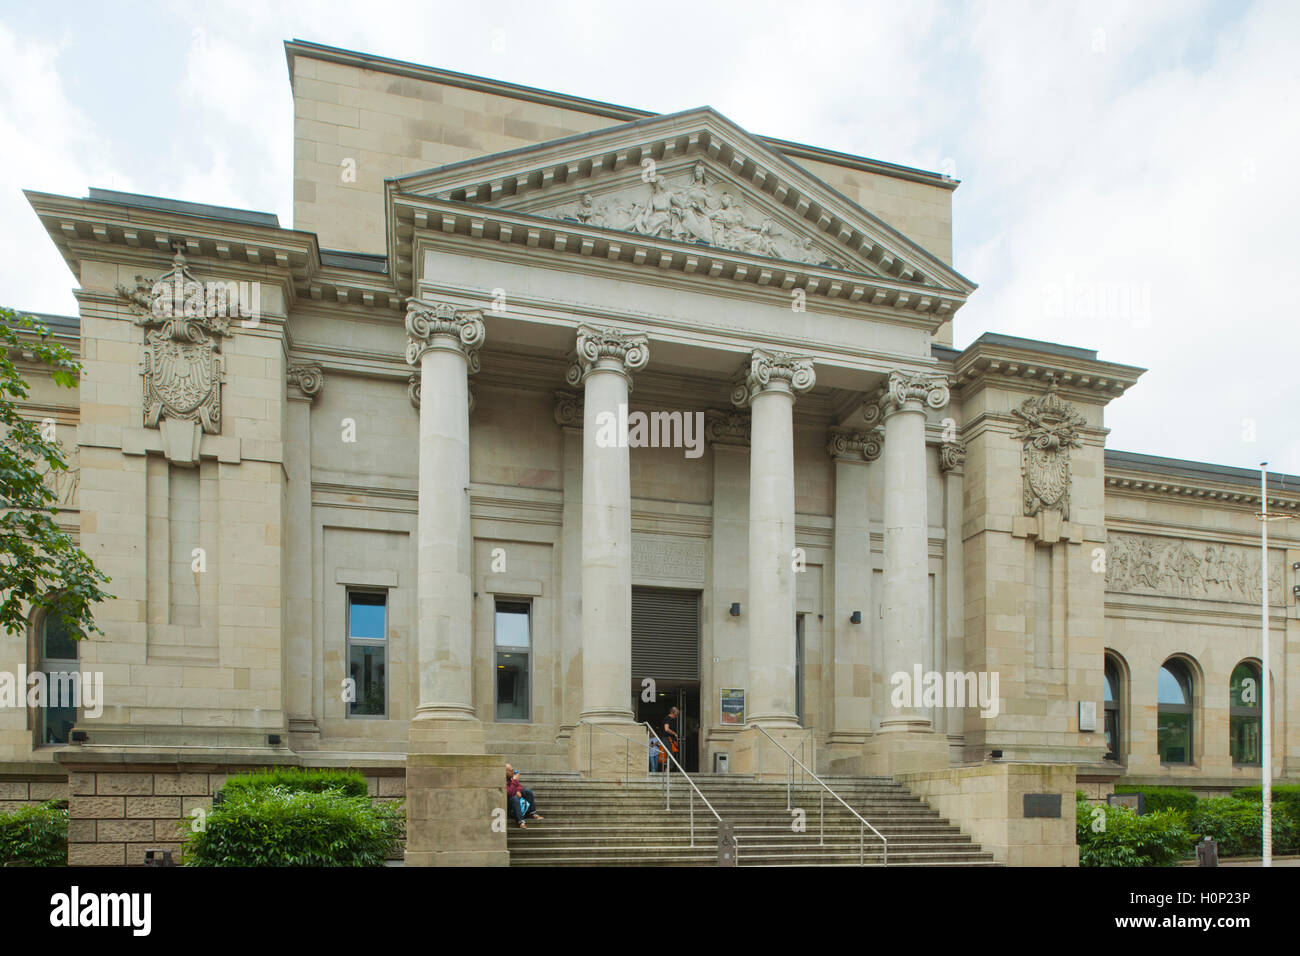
<point x="667" y="777"/>
<point x="668" y="790"/>
<point x="822" y="835"/>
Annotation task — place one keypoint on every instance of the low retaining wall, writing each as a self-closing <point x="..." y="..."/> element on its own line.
<point x="988" y="802"/>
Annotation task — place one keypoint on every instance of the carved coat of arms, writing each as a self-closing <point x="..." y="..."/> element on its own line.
<point x="1049" y="428"/>
<point x="182" y="364"/>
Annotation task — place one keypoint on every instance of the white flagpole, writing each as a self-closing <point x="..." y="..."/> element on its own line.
<point x="1265" y="703"/>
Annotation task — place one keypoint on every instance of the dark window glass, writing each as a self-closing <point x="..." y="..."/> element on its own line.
<point x="368" y="653"/>
<point x="1174" y="719"/>
<point x="1244" y="715"/>
<point x="513" y="643"/>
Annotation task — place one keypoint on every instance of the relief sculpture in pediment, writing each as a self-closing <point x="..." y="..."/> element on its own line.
<point x="694" y="211"/>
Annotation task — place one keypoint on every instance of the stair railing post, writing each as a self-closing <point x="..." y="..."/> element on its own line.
<point x="627" y="765"/>
<point x="692" y="820"/>
<point x="590" y="730"/>
<point x="821" y="838"/>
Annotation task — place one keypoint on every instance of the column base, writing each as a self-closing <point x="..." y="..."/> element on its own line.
<point x="599" y="755"/>
<point x="753" y="753"/>
<point x="441" y="735"/>
<point x="455" y="810"/>
<point x="889" y="754"/>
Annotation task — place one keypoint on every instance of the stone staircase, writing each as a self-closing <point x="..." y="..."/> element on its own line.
<point x="604" y="823"/>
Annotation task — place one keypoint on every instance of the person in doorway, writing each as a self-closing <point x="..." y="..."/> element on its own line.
<point x="525" y="794"/>
<point x="668" y="733"/>
<point x="653" y="745"/>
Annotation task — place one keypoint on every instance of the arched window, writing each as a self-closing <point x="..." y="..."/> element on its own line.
<point x="58" y="655"/>
<point x="1244" y="714"/>
<point x="1174" y="706"/>
<point x="1114" y="742"/>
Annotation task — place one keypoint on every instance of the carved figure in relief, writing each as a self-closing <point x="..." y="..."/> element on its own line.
<point x="1179" y="568"/>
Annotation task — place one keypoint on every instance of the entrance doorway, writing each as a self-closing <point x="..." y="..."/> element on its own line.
<point x="666" y="650"/>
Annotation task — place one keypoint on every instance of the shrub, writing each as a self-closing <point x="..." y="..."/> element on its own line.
<point x="35" y="836"/>
<point x="1163" y="798"/>
<point x="1284" y="794"/>
<point x="1238" y="826"/>
<point x="1126" y="839"/>
<point x="276" y="826"/>
<point x="348" y="782"/>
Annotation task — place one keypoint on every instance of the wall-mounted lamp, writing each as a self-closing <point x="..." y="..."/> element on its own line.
<point x="1296" y="591"/>
<point x="273" y="739"/>
<point x="995" y="755"/>
<point x="1295" y="566"/>
<point x="80" y="736"/>
<point x="855" y="617"/>
<point x="735" y="609"/>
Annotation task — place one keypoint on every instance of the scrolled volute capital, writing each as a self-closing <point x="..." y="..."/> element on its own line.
<point x="909" y="387"/>
<point x="726" y="427"/>
<point x="852" y="444"/>
<point x="569" y="407"/>
<point x="430" y="325"/>
<point x="772" y="371"/>
<point x="307" y="377"/>
<point x="952" y="456"/>
<point x="613" y="349"/>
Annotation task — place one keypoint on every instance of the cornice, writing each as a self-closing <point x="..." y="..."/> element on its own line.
<point x="526" y="235"/>
<point x="98" y="229"/>
<point x="1078" y="377"/>
<point x="1144" y="484"/>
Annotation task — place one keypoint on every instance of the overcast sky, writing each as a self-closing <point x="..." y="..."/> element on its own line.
<point x="1126" y="167"/>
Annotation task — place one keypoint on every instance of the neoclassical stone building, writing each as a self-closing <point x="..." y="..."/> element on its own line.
<point x="549" y="413"/>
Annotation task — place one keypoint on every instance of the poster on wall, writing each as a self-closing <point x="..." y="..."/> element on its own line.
<point x="733" y="705"/>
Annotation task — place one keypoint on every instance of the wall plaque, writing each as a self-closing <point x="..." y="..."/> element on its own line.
<point x="1043" y="805"/>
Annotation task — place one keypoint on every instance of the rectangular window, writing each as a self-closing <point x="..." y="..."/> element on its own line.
<point x="368" y="653"/>
<point x="513" y="646"/>
<point x="59" y="662"/>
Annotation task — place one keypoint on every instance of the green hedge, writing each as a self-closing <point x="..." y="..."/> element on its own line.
<point x="1285" y="794"/>
<point x="1163" y="798"/>
<point x="279" y="827"/>
<point x="1125" y="839"/>
<point x="35" y="836"/>
<point x="349" y="782"/>
<point x="1238" y="826"/>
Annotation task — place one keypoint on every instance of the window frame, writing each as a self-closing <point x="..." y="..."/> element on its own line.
<point x="1118" y="752"/>
<point x="39" y="726"/>
<point x="497" y="648"/>
<point x="349" y="641"/>
<point x="1189" y="709"/>
<point x="1256" y="712"/>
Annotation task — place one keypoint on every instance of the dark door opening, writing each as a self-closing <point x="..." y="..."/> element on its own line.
<point x="685" y="696"/>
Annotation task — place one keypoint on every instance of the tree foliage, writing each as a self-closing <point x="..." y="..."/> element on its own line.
<point x="40" y="566"/>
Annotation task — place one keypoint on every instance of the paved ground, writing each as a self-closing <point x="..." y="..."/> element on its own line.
<point x="1254" y="861"/>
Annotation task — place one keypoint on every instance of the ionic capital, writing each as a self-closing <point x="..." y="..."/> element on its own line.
<point x="308" y="377"/>
<point x="952" y="456"/>
<point x="772" y="371"/>
<point x="608" y="349"/>
<point x="851" y="444"/>
<point x="442" y="325"/>
<point x="726" y="427"/>
<point x="569" y="409"/>
<point x="906" y="388"/>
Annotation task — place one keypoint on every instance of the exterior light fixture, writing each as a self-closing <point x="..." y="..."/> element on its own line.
<point x="855" y="617"/>
<point x="273" y="739"/>
<point x="735" y="609"/>
<point x="80" y="736"/>
<point x="995" y="755"/>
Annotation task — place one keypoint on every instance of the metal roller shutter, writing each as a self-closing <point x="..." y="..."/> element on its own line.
<point x="665" y="634"/>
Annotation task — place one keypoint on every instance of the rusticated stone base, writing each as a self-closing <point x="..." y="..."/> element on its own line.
<point x="455" y="810"/>
<point x="891" y="754"/>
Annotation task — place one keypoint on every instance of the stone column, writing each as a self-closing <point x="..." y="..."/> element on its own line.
<point x="851" y="451"/>
<point x="726" y="663"/>
<point x="767" y="385"/>
<point x="906" y="643"/>
<point x="568" y="415"/>
<point x="952" y="463"/>
<point x="603" y="363"/>
<point x="305" y="381"/>
<point x="444" y="342"/>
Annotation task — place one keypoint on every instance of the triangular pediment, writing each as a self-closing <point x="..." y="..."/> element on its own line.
<point x="689" y="185"/>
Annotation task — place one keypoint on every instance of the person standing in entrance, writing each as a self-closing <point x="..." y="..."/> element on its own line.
<point x="653" y="745"/>
<point x="669" y="733"/>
